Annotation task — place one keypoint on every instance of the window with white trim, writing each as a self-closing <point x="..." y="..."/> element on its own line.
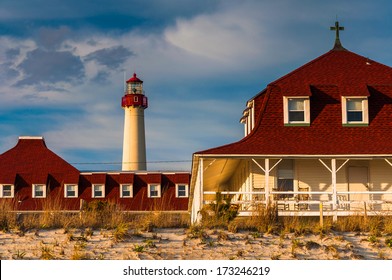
<point x="285" y="178"/>
<point x="296" y="110"/>
<point x="181" y="190"/>
<point x="355" y="110"/>
<point x="98" y="190"/>
<point x="248" y="118"/>
<point x="70" y="190"/>
<point x="6" y="190"/>
<point x="126" y="190"/>
<point x="39" y="190"/>
<point x="154" y="190"/>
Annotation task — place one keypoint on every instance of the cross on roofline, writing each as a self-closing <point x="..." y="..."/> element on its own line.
<point x="337" y="28"/>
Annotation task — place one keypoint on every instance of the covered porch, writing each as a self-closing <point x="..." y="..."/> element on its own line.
<point x="298" y="186"/>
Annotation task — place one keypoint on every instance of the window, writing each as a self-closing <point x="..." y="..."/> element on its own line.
<point x="355" y="110"/>
<point x="6" y="190"/>
<point x="286" y="178"/>
<point x="39" y="190"/>
<point x="154" y="190"/>
<point x="248" y="117"/>
<point x="126" y="190"/>
<point x="98" y="190"/>
<point x="181" y="190"/>
<point x="296" y="110"/>
<point x="136" y="99"/>
<point x="71" y="190"/>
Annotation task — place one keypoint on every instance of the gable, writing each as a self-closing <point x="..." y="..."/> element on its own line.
<point x="31" y="156"/>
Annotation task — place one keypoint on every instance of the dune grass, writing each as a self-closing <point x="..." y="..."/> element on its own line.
<point x="108" y="215"/>
<point x="95" y="215"/>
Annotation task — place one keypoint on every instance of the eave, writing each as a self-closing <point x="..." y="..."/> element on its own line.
<point x="293" y="156"/>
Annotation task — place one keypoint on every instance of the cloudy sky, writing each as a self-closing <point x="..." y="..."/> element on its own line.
<point x="62" y="67"/>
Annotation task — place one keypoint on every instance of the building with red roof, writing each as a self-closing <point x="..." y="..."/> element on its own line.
<point x="320" y="134"/>
<point x="33" y="178"/>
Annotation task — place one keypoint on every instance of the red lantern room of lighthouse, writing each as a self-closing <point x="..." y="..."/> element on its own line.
<point x="134" y="95"/>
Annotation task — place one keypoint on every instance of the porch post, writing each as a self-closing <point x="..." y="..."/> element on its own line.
<point x="266" y="177"/>
<point x="201" y="187"/>
<point x="334" y="190"/>
<point x="197" y="201"/>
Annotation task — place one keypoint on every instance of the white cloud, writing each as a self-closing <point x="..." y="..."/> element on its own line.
<point x="224" y="37"/>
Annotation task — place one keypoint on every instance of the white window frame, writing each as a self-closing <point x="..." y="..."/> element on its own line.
<point x="365" y="110"/>
<point x="130" y="190"/>
<point x="286" y="110"/>
<point x="93" y="190"/>
<point x="76" y="190"/>
<point x="158" y="190"/>
<point x="248" y="118"/>
<point x="186" y="191"/>
<point x="2" y="191"/>
<point x="43" y="191"/>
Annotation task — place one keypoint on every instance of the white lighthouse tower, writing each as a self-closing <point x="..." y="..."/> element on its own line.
<point x="134" y="146"/>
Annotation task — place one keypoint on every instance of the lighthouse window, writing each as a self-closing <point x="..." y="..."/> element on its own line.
<point x="98" y="190"/>
<point x="136" y="99"/>
<point x="154" y="190"/>
<point x="126" y="190"/>
<point x="39" y="190"/>
<point x="181" y="190"/>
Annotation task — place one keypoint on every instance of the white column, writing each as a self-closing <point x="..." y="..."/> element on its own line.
<point x="201" y="183"/>
<point x="197" y="199"/>
<point x="266" y="175"/>
<point x="334" y="189"/>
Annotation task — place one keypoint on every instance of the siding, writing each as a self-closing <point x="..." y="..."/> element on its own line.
<point x="258" y="176"/>
<point x="381" y="180"/>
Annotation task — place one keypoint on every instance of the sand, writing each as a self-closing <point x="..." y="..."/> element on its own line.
<point x="181" y="244"/>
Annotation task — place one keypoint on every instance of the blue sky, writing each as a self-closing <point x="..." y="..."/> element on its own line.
<point x="62" y="65"/>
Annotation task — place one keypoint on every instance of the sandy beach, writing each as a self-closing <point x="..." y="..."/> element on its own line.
<point x="182" y="244"/>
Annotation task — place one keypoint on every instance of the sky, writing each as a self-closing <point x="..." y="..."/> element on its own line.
<point x="62" y="66"/>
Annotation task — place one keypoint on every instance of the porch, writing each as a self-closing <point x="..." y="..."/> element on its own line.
<point x="302" y="186"/>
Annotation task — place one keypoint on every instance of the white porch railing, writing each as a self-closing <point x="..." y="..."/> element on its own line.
<point x="293" y="205"/>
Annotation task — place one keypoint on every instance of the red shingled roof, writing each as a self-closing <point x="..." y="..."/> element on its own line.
<point x="325" y="79"/>
<point x="31" y="157"/>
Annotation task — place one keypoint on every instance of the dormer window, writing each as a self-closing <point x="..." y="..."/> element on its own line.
<point x="154" y="190"/>
<point x="6" y="190"/>
<point x="126" y="190"/>
<point x="39" y="191"/>
<point x="182" y="190"/>
<point x="248" y="118"/>
<point x="70" y="190"/>
<point x="355" y="111"/>
<point x="98" y="190"/>
<point x="296" y="110"/>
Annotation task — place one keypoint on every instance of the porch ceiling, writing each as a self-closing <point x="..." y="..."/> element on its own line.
<point x="217" y="172"/>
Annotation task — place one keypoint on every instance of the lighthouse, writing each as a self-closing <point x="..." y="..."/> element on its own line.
<point x="134" y="103"/>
